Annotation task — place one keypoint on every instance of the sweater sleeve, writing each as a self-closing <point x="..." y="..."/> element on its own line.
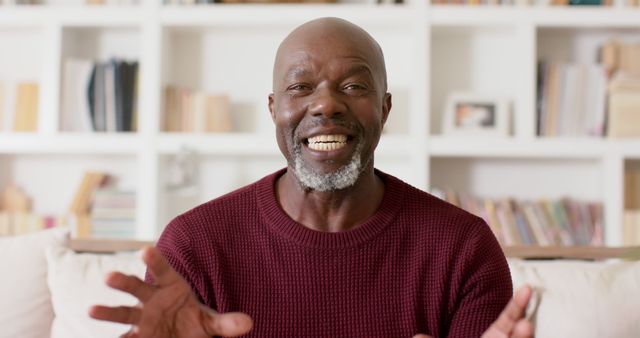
<point x="484" y="285"/>
<point x="175" y="246"/>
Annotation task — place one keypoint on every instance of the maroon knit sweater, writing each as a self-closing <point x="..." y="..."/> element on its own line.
<point x="418" y="265"/>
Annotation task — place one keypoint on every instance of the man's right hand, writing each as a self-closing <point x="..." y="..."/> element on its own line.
<point x="168" y="309"/>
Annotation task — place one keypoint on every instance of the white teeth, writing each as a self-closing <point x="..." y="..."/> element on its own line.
<point x="327" y="142"/>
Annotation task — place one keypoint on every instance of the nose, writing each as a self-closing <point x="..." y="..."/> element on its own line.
<point x="326" y="102"/>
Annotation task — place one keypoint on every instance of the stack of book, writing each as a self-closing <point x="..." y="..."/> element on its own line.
<point x="113" y="214"/>
<point x="622" y="61"/>
<point x="571" y="99"/>
<point x="99" y="96"/>
<point x="565" y="222"/>
<point x="195" y="111"/>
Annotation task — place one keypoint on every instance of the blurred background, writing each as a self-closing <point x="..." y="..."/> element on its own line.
<point x="118" y="115"/>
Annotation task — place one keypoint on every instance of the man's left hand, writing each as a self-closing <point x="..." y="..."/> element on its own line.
<point x="512" y="322"/>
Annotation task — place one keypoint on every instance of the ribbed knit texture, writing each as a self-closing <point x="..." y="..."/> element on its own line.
<point x="418" y="265"/>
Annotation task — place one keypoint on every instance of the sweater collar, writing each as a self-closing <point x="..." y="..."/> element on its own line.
<point x="278" y="221"/>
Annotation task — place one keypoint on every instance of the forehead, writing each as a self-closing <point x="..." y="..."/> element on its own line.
<point x="302" y="57"/>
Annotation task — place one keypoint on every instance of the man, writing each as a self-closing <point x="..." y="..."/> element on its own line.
<point x="329" y="246"/>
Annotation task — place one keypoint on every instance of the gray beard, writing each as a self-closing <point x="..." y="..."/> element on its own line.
<point x="340" y="179"/>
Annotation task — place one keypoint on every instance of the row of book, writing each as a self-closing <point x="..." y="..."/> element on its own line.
<point x="99" y="96"/>
<point x="188" y="110"/>
<point x="628" y="3"/>
<point x="22" y="115"/>
<point x="571" y="99"/>
<point x="71" y="2"/>
<point x="12" y="224"/>
<point x="563" y="222"/>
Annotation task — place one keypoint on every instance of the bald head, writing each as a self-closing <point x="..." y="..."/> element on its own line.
<point x="330" y="35"/>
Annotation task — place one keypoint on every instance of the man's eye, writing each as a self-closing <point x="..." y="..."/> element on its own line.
<point x="299" y="87"/>
<point x="355" y="87"/>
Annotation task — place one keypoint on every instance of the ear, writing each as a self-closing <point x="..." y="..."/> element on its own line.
<point x="386" y="107"/>
<point x="273" y="114"/>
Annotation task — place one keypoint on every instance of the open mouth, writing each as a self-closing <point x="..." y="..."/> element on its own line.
<point x="327" y="142"/>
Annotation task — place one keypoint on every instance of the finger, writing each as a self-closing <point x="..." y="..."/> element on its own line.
<point x="162" y="272"/>
<point x="422" y="336"/>
<point x="523" y="329"/>
<point x="230" y="324"/>
<point x="119" y="314"/>
<point x="130" y="284"/>
<point x="514" y="311"/>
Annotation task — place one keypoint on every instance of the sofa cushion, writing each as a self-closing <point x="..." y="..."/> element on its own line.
<point x="25" y="303"/>
<point x="582" y="299"/>
<point x="76" y="281"/>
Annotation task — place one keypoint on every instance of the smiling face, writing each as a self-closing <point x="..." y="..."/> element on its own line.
<point x="329" y="102"/>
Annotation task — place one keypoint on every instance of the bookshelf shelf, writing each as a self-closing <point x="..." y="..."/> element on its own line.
<point x="14" y="143"/>
<point x="448" y="15"/>
<point x="255" y="15"/>
<point x="514" y="148"/>
<point x="430" y="51"/>
<point x="244" y="144"/>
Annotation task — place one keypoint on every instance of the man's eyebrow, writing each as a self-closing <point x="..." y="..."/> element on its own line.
<point x="296" y="72"/>
<point x="358" y="69"/>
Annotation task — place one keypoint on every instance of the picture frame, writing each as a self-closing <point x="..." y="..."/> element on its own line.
<point x="474" y="114"/>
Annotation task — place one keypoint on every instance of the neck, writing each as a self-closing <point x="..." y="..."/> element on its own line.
<point x="331" y="211"/>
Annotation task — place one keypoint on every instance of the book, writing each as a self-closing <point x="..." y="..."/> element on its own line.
<point x="75" y="114"/>
<point x="624" y="105"/>
<point x="218" y="117"/>
<point x="2" y="107"/>
<point x="631" y="229"/>
<point x="100" y="117"/>
<point x="629" y="58"/>
<point x="27" y="98"/>
<point x="632" y="187"/>
<point x="537" y="227"/>
<point x="111" y="87"/>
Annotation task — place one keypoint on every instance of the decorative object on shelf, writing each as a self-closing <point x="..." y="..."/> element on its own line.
<point x="195" y="111"/>
<point x="14" y="200"/>
<point x="26" y="116"/>
<point x="182" y="171"/>
<point x="472" y="114"/>
<point x="81" y="204"/>
<point x="16" y="216"/>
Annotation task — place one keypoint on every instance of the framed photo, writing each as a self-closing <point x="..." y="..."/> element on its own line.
<point x="469" y="114"/>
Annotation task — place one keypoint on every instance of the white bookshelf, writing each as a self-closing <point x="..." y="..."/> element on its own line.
<point x="430" y="51"/>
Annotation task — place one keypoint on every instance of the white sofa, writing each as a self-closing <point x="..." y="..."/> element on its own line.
<point x="46" y="290"/>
